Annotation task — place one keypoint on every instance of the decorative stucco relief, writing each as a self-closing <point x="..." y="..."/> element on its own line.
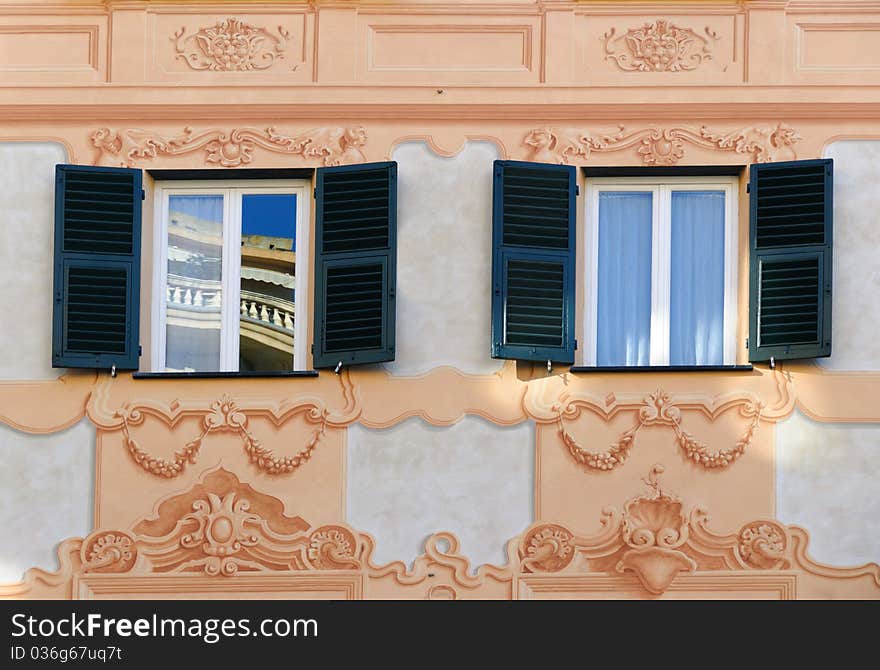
<point x="658" y="409"/>
<point x="231" y="45"/>
<point x="661" y="46"/>
<point x="46" y="406"/>
<point x="233" y="148"/>
<point x="655" y="540"/>
<point x="223" y="529"/>
<point x="224" y="414"/>
<point x="662" y="146"/>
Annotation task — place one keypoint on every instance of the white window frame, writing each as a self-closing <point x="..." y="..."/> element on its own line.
<point x="232" y="192"/>
<point x="661" y="266"/>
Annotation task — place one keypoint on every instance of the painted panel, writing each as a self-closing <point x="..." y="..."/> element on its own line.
<point x="458" y="49"/>
<point x="474" y="479"/>
<point x="826" y="481"/>
<point x="856" y="272"/>
<point x="27" y="212"/>
<point x="53" y="49"/>
<point x="46" y="493"/>
<point x="444" y="212"/>
<point x="827" y="48"/>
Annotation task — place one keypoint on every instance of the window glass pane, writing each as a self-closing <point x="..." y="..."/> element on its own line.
<point x="697" y="289"/>
<point x="268" y="268"/>
<point x="624" y="285"/>
<point x="193" y="293"/>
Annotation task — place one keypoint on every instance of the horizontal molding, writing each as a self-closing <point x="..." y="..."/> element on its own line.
<point x="633" y="110"/>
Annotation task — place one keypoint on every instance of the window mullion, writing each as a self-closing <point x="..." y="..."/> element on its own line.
<point x="231" y="271"/>
<point x="660" y="276"/>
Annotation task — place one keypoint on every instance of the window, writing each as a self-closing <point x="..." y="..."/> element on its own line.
<point x="232" y="275"/>
<point x="660" y="284"/>
<point x="229" y="292"/>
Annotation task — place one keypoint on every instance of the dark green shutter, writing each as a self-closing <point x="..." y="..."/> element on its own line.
<point x="791" y="238"/>
<point x="533" y="260"/>
<point x="355" y="264"/>
<point x="96" y="306"/>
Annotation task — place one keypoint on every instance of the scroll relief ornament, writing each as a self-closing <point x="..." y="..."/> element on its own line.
<point x="658" y="410"/>
<point x="659" y="47"/>
<point x="230" y="528"/>
<point x="231" y="45"/>
<point x="234" y="148"/>
<point x="655" y="540"/>
<point x="662" y="146"/>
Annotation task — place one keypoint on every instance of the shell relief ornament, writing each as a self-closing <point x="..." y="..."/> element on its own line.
<point x="654" y="527"/>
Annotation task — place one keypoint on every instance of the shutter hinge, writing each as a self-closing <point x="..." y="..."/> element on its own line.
<point x="747" y="343"/>
<point x="575" y="345"/>
<point x="315" y="193"/>
<point x="140" y="350"/>
<point x="748" y="188"/>
<point x="577" y="189"/>
<point x="143" y="194"/>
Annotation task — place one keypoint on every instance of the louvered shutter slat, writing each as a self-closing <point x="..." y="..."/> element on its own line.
<point x="791" y="243"/>
<point x="355" y="268"/>
<point x="97" y="267"/>
<point x="533" y="261"/>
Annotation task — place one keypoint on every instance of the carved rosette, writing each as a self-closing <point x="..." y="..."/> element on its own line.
<point x="659" y="47"/>
<point x="547" y="548"/>
<point x="234" y="148"/>
<point x="762" y="545"/>
<point x="661" y="146"/>
<point x="108" y="551"/>
<point x="231" y="45"/>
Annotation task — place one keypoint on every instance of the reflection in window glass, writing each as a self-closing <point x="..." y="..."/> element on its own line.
<point x="268" y="269"/>
<point x="193" y="295"/>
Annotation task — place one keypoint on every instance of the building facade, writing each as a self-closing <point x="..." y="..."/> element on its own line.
<point x="416" y="299"/>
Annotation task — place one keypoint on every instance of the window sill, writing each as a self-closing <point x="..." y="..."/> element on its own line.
<point x="662" y="368"/>
<point x="224" y="375"/>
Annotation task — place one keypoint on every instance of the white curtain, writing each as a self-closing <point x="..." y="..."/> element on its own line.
<point x="624" y="281"/>
<point x="697" y="282"/>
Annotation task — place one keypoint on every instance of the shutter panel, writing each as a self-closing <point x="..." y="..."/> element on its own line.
<point x="97" y="267"/>
<point x="791" y="241"/>
<point x="355" y="264"/>
<point x="533" y="230"/>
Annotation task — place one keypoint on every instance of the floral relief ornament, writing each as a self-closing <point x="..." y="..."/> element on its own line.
<point x="223" y="415"/>
<point x="323" y="146"/>
<point x="661" y="146"/>
<point x="659" y="47"/>
<point x="231" y="45"/>
<point x="658" y="409"/>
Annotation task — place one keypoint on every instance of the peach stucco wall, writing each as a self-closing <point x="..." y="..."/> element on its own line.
<point x="404" y="477"/>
